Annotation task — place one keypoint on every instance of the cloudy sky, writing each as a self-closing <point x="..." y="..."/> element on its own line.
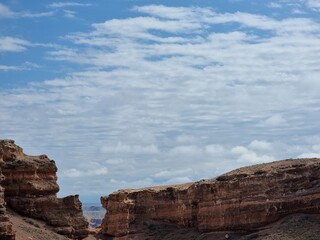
<point x="134" y="93"/>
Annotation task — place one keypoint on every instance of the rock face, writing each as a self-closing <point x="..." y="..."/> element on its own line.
<point x="6" y="232"/>
<point x="31" y="187"/>
<point x="241" y="200"/>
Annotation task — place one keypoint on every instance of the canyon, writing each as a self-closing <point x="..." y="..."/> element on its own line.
<point x="6" y="232"/>
<point x="279" y="199"/>
<point x="240" y="201"/>
<point x="29" y="187"/>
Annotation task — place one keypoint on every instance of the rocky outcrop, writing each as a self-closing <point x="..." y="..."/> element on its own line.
<point x="6" y="232"/>
<point x="31" y="187"/>
<point x="241" y="200"/>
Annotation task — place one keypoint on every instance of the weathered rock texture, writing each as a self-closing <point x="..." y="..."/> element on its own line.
<point x="6" y="232"/>
<point x="241" y="200"/>
<point x="31" y="187"/>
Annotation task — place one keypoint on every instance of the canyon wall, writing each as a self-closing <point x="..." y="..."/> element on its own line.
<point x="31" y="189"/>
<point x="241" y="200"/>
<point x="6" y="232"/>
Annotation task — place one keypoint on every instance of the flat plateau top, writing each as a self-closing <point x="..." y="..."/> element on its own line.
<point x="263" y="168"/>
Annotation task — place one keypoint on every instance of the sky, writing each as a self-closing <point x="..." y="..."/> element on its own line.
<point x="136" y="93"/>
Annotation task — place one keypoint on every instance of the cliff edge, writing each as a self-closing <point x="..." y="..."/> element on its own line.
<point x="6" y="232"/>
<point x="239" y="201"/>
<point x="30" y="188"/>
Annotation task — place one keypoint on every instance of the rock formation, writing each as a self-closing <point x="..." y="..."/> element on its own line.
<point x="31" y="187"/>
<point x="6" y="232"/>
<point x="241" y="200"/>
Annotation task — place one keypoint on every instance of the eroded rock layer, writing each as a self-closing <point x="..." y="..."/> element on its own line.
<point x="6" y="232"/>
<point x="241" y="200"/>
<point x="31" y="187"/>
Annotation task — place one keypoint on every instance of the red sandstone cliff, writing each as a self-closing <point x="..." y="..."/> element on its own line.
<point x="241" y="200"/>
<point x="30" y="188"/>
<point x="6" y="232"/>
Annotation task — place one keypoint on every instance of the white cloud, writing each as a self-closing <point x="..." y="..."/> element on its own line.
<point x="187" y="151"/>
<point x="5" y="12"/>
<point x="69" y="14"/>
<point x="92" y="170"/>
<point x="260" y="145"/>
<point x="73" y="173"/>
<point x="170" y="90"/>
<point x="239" y="150"/>
<point x="249" y="156"/>
<point x="265" y="23"/>
<point x="115" y="161"/>
<point x="309" y="155"/>
<point x="8" y="68"/>
<point x="23" y="67"/>
<point x="174" y="173"/>
<point x="175" y="12"/>
<point x="121" y="148"/>
<point x="29" y="66"/>
<point x="314" y="4"/>
<point x="275" y="120"/>
<point x="205" y="16"/>
<point x="183" y="139"/>
<point x="68" y="4"/>
<point x="138" y="27"/>
<point x="298" y="11"/>
<point x="316" y="147"/>
<point x="122" y="184"/>
<point x="177" y="180"/>
<point x="274" y="5"/>
<point x="214" y="149"/>
<point x="35" y="15"/>
<point x="11" y="44"/>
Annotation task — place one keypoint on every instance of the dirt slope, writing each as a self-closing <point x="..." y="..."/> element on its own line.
<point x="292" y="227"/>
<point x="31" y="229"/>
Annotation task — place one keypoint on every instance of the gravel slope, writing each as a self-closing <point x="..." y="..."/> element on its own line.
<point x="31" y="229"/>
